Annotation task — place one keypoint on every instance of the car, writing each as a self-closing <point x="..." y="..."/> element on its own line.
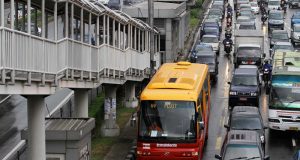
<point x="247" y="25"/>
<point x="294" y="4"/>
<point x="276" y="20"/>
<point x="218" y="5"/>
<point x="248" y="54"/>
<point x="247" y="118"/>
<point x="295" y="34"/>
<point x="242" y="144"/>
<point x="211" y="31"/>
<point x="243" y="19"/>
<point x="247" y="13"/>
<point x="244" y="87"/>
<point x="210" y="23"/>
<point x="295" y="19"/>
<point x="204" y="55"/>
<point x="217" y="12"/>
<point x="246" y="6"/>
<point x="212" y="40"/>
<point x="254" y="7"/>
<point x="215" y="17"/>
<point x="296" y="155"/>
<point x="278" y="36"/>
<point x="281" y="46"/>
<point x="239" y="2"/>
<point x="274" y="5"/>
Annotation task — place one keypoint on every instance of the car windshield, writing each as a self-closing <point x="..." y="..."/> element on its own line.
<point x="274" y="3"/>
<point x="210" y="39"/>
<point x="296" y="16"/>
<point x="167" y="120"/>
<point x="249" y="51"/>
<point x="251" y="27"/>
<point x="238" y="151"/>
<point x="296" y="28"/>
<point x="280" y="36"/>
<point x="210" y="30"/>
<point x="284" y="47"/>
<point x="244" y="19"/>
<point x="276" y="16"/>
<point x="244" y="80"/>
<point x="203" y="48"/>
<point x="206" y="59"/>
<point x="246" y="123"/>
<point x="246" y="13"/>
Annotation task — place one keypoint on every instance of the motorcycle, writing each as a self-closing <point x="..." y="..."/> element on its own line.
<point x="284" y="8"/>
<point x="264" y="18"/>
<point x="228" y="34"/>
<point x="227" y="47"/>
<point x="266" y="77"/>
<point x="229" y="14"/>
<point x="229" y="21"/>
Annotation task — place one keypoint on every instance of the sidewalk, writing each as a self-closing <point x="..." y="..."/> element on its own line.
<point x="120" y="150"/>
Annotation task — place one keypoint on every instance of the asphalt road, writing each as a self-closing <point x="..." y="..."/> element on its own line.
<point x="279" y="145"/>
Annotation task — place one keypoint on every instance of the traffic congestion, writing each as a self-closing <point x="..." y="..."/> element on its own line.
<point x="248" y="108"/>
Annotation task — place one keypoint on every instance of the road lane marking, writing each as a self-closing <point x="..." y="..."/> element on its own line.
<point x="294" y="142"/>
<point x="218" y="143"/>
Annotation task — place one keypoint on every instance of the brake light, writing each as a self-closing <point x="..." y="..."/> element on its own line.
<point x="189" y="154"/>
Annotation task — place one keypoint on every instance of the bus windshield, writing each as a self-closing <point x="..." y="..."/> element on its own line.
<point x="167" y="120"/>
<point x="285" y="98"/>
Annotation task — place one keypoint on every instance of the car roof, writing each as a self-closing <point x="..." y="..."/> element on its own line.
<point x="297" y="25"/>
<point x="210" y="21"/>
<point x="243" y="17"/>
<point x="206" y="53"/>
<point x="276" y="11"/>
<point x="283" y="43"/>
<point x="249" y="45"/>
<point x="245" y="71"/>
<point x="248" y="66"/>
<point x="203" y="45"/>
<point x="245" y="110"/>
<point x="247" y="23"/>
<point x="242" y="137"/>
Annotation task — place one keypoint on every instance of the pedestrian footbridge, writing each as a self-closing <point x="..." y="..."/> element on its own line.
<point x="46" y="45"/>
<point x="70" y="43"/>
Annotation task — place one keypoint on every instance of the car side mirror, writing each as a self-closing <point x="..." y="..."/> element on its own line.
<point x="228" y="82"/>
<point x="226" y="126"/>
<point x="201" y="124"/>
<point x="267" y="157"/>
<point x="218" y="156"/>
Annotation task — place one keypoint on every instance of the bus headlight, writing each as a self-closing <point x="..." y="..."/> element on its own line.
<point x="232" y="93"/>
<point x="253" y="94"/>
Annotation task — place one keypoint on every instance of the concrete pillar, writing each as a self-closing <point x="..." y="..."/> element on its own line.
<point x="170" y="56"/>
<point x="43" y="19"/>
<point x="29" y="16"/>
<point x="89" y="28"/>
<point x="2" y="12"/>
<point x="72" y="19"/>
<point x="81" y="97"/>
<point x="110" y="128"/>
<point x="119" y="35"/>
<point x="108" y="36"/>
<point x="104" y="29"/>
<point x="36" y="128"/>
<point x="81" y="26"/>
<point x="130" y="99"/>
<point x="114" y="32"/>
<point x="67" y="20"/>
<point x="97" y="31"/>
<point x="55" y="21"/>
<point x="12" y="11"/>
<point x="124" y="35"/>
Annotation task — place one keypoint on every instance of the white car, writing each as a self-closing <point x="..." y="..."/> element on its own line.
<point x="254" y="7"/>
<point x="274" y="5"/>
<point x="212" y="40"/>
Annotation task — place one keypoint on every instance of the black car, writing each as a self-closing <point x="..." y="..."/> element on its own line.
<point x="244" y="86"/>
<point x="247" y="118"/>
<point x="294" y="3"/>
<point x="210" y="23"/>
<point x="278" y="36"/>
<point x="242" y="144"/>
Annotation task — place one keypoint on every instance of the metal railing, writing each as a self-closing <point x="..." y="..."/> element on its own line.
<point x="28" y="53"/>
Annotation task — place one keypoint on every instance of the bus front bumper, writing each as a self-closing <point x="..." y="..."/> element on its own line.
<point x="167" y="154"/>
<point x="284" y="126"/>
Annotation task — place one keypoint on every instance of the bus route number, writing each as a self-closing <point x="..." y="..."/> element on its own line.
<point x="170" y="106"/>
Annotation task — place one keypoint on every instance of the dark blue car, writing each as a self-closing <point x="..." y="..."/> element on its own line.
<point x="295" y="19"/>
<point x="210" y="23"/>
<point x="244" y="86"/>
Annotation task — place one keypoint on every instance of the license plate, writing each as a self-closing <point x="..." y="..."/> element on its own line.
<point x="243" y="99"/>
<point x="294" y="128"/>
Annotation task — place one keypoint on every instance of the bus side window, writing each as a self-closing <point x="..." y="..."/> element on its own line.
<point x="200" y="105"/>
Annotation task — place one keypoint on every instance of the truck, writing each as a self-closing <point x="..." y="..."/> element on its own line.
<point x="248" y="47"/>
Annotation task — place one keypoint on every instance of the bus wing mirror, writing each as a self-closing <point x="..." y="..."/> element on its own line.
<point x="201" y="124"/>
<point x="218" y="156"/>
